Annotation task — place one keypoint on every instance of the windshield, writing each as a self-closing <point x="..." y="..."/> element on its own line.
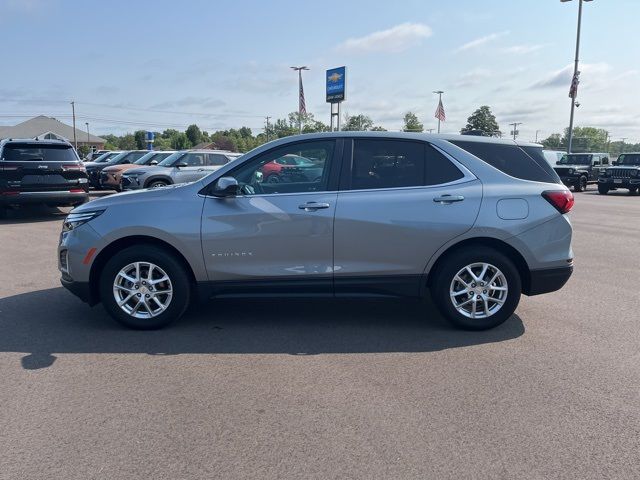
<point x="102" y="157"/>
<point x="27" y="152"/>
<point x="148" y="157"/>
<point x="171" y="159"/>
<point x="629" y="159"/>
<point x="575" y="159"/>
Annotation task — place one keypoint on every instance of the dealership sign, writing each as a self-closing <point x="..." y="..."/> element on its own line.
<point x="336" y="79"/>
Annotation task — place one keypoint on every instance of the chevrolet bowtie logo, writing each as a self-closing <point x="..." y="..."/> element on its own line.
<point x="334" y="77"/>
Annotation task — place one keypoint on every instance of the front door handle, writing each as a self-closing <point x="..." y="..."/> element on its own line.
<point x="448" y="199"/>
<point x="313" y="206"/>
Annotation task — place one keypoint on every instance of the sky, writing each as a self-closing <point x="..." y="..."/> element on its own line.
<point x="133" y="65"/>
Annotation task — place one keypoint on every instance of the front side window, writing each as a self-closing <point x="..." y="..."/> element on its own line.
<point x="24" y="152"/>
<point x="268" y="173"/>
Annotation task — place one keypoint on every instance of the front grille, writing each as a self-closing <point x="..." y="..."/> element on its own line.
<point x="563" y="171"/>
<point x="621" y="173"/>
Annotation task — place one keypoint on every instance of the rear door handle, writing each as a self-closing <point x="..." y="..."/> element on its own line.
<point x="313" y="206"/>
<point x="447" y="199"/>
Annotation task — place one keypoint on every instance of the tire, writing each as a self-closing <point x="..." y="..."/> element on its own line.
<point x="581" y="186"/>
<point x="166" y="264"/>
<point x="3" y="212"/>
<point x="273" y="178"/>
<point x="157" y="184"/>
<point x="445" y="280"/>
<point x="603" y="189"/>
<point x="633" y="191"/>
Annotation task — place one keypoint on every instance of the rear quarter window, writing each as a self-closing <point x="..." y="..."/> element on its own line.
<point x="526" y="163"/>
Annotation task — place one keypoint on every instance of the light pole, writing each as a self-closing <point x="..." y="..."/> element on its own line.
<point x="440" y="109"/>
<point x="515" y="129"/>
<point x="574" y="88"/>
<point x="87" y="124"/>
<point x="73" y="113"/>
<point x="302" y="108"/>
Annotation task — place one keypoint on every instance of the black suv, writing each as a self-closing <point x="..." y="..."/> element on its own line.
<point x="624" y="174"/>
<point x="95" y="168"/>
<point x="41" y="172"/>
<point x="578" y="170"/>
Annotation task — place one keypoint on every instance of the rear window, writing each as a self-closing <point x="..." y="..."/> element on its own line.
<point x="526" y="163"/>
<point x="27" y="152"/>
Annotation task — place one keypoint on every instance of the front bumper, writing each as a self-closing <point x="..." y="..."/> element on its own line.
<point x="130" y="183"/>
<point x="548" y="280"/>
<point x="81" y="290"/>
<point x="570" y="181"/>
<point x="109" y="180"/>
<point x="57" y="197"/>
<point x="613" y="182"/>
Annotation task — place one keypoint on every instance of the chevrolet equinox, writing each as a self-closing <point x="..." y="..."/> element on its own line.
<point x="474" y="221"/>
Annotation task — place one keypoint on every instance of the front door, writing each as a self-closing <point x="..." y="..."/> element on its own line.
<point x="274" y="237"/>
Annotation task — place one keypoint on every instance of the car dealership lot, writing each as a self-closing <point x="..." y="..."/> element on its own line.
<point x="325" y="389"/>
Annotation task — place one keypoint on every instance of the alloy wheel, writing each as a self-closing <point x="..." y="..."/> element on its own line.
<point x="142" y="290"/>
<point x="479" y="290"/>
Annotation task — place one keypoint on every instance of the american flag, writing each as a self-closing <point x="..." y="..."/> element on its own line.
<point x="573" y="90"/>
<point x="440" y="112"/>
<point x="302" y="109"/>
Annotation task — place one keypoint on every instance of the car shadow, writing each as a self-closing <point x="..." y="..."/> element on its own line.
<point x="49" y="322"/>
<point x="34" y="214"/>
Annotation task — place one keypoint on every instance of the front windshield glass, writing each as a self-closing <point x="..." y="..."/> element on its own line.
<point x="146" y="158"/>
<point x="104" y="157"/>
<point x="575" y="159"/>
<point x="629" y="159"/>
<point x="171" y="159"/>
<point x="117" y="157"/>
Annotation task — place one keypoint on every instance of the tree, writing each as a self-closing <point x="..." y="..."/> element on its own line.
<point x="378" y="128"/>
<point x="161" y="143"/>
<point x="553" y="141"/>
<point x="357" y="122"/>
<point x="127" y="142"/>
<point x="411" y="123"/>
<point x="482" y="121"/>
<point x="194" y="135"/>
<point x="141" y="139"/>
<point x="585" y="139"/>
<point x="180" y="142"/>
<point x="83" y="151"/>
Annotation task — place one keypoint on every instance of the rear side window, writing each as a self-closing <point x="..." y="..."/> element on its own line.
<point x="25" y="152"/>
<point x="513" y="160"/>
<point x="217" y="160"/>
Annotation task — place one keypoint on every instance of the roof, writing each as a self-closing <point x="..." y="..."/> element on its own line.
<point x="42" y="125"/>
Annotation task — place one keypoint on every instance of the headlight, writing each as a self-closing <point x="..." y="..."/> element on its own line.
<point x="571" y="171"/>
<point x="74" y="220"/>
<point x="635" y="173"/>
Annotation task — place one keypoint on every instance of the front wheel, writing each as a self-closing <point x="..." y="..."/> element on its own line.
<point x="603" y="189"/>
<point x="157" y="184"/>
<point x="581" y="186"/>
<point x="144" y="287"/>
<point x="476" y="289"/>
<point x="633" y="190"/>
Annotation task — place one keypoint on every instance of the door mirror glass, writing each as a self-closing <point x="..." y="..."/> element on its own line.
<point x="153" y="162"/>
<point x="226" y="187"/>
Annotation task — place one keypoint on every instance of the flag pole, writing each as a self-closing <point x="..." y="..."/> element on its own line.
<point x="301" y="103"/>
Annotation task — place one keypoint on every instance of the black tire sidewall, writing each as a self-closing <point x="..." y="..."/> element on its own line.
<point x="603" y="190"/>
<point x="164" y="259"/>
<point x="453" y="264"/>
<point x="157" y="184"/>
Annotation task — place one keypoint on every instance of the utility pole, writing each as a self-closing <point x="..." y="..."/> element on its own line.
<point x="302" y="108"/>
<point x="267" y="129"/>
<point x="515" y="129"/>
<point x="576" y="73"/>
<point x="439" y="111"/>
<point x="87" y="124"/>
<point x="73" y="113"/>
<point x="537" y="135"/>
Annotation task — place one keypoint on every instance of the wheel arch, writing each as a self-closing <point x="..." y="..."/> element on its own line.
<point x="499" y="245"/>
<point x="117" y="245"/>
<point x="165" y="178"/>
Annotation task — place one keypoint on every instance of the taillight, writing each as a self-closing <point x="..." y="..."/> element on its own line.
<point x="562" y="200"/>
<point x="77" y="190"/>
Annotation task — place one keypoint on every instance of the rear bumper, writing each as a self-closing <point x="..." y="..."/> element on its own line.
<point x="548" y="280"/>
<point x="60" y="197"/>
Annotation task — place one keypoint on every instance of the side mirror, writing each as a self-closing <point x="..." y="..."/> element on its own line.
<point x="226" y="187"/>
<point x="182" y="164"/>
<point x="614" y="163"/>
<point x="153" y="162"/>
<point x="558" y="162"/>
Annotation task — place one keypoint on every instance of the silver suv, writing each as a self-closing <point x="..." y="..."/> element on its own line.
<point x="475" y="221"/>
<point x="181" y="167"/>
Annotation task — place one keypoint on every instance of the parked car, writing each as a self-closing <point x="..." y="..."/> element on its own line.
<point x="41" y="172"/>
<point x="578" y="170"/>
<point x="111" y="176"/>
<point x="183" y="166"/>
<point x="93" y="155"/>
<point x="95" y="168"/>
<point x="552" y="156"/>
<point x="477" y="221"/>
<point x="291" y="168"/>
<point x="105" y="156"/>
<point x="625" y="173"/>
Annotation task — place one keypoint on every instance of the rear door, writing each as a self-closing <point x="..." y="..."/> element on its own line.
<point x="193" y="169"/>
<point x="29" y="167"/>
<point x="399" y="202"/>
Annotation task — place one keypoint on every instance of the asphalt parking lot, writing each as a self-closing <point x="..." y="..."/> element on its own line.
<point x="325" y="389"/>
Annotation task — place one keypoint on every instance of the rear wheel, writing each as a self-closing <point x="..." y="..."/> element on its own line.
<point x="603" y="189"/>
<point x="477" y="289"/>
<point x="144" y="287"/>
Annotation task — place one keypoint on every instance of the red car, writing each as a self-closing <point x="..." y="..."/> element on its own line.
<point x="291" y="168"/>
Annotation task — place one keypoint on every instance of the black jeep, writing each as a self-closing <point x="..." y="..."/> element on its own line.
<point x="41" y="172"/>
<point x="578" y="170"/>
<point x="624" y="174"/>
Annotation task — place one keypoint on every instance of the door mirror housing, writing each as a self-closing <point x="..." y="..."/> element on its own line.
<point x="182" y="164"/>
<point x="226" y="187"/>
<point x="153" y="162"/>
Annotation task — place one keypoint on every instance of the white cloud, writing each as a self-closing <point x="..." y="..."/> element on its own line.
<point x="393" y="40"/>
<point x="562" y="77"/>
<point x="473" y="77"/>
<point x="478" y="42"/>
